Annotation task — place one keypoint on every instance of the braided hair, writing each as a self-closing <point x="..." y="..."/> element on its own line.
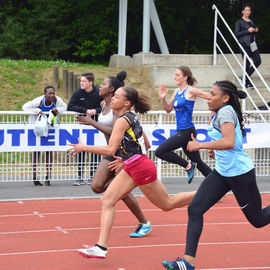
<point x="230" y="89"/>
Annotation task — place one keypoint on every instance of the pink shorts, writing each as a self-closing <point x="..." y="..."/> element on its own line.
<point x="141" y="169"/>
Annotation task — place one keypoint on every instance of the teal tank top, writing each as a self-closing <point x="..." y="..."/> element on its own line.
<point x="231" y="162"/>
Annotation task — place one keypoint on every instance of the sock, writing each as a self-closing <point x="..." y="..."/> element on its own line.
<point x="101" y="247"/>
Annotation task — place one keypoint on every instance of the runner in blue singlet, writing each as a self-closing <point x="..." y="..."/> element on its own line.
<point x="182" y="101"/>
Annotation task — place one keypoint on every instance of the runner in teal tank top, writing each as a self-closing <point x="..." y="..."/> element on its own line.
<point x="234" y="171"/>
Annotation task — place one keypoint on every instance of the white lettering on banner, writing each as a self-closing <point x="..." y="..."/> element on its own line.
<point x="21" y="137"/>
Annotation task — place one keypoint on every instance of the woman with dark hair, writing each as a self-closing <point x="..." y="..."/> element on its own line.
<point x="126" y="143"/>
<point x="182" y="101"/>
<point x="234" y="170"/>
<point x="245" y="30"/>
<point x="46" y="103"/>
<point x="103" y="175"/>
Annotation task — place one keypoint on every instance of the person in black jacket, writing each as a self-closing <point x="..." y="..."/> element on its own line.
<point x="245" y="31"/>
<point x="86" y="100"/>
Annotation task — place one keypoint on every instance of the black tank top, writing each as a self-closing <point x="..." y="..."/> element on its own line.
<point x="130" y="143"/>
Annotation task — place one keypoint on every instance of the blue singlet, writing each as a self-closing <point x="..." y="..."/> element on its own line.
<point x="183" y="110"/>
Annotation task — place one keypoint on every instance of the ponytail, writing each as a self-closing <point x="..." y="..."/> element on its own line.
<point x="141" y="103"/>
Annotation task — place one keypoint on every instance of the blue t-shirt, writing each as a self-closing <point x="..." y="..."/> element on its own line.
<point x="183" y="110"/>
<point x="231" y="162"/>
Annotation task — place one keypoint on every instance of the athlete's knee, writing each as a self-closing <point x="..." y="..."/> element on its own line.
<point x="97" y="188"/>
<point x="166" y="207"/>
<point x="159" y="152"/>
<point x="106" y="201"/>
<point x="193" y="211"/>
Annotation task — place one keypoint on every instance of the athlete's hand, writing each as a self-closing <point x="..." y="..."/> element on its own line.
<point x="85" y="120"/>
<point x="76" y="148"/>
<point x="211" y="153"/>
<point x="193" y="145"/>
<point x="162" y="91"/>
<point x="117" y="165"/>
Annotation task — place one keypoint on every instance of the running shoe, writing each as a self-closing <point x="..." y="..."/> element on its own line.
<point x="191" y="172"/>
<point x="178" y="264"/>
<point x="142" y="230"/>
<point x="93" y="252"/>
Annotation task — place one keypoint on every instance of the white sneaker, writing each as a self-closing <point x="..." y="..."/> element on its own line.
<point x="93" y="252"/>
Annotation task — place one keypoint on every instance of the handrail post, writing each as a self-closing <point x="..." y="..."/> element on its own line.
<point x="215" y="38"/>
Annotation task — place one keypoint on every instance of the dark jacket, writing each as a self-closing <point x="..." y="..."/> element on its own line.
<point x="241" y="31"/>
<point x="81" y="101"/>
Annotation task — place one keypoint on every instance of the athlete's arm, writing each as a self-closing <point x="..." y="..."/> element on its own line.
<point x="226" y="142"/>
<point x="167" y="106"/>
<point x="196" y="92"/>
<point x="120" y="126"/>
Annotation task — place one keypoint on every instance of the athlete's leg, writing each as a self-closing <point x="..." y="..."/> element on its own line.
<point x="158" y="195"/>
<point x="195" y="156"/>
<point x="248" y="197"/>
<point x="134" y="207"/>
<point x="101" y="180"/>
<point x="165" y="150"/>
<point x="102" y="177"/>
<point x="211" y="190"/>
<point x="119" y="188"/>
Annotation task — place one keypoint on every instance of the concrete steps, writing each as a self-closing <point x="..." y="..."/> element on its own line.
<point x="161" y="68"/>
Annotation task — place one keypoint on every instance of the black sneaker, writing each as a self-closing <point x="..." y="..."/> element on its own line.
<point x="37" y="183"/>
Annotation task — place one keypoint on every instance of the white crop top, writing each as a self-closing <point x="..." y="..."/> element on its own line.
<point x="107" y="118"/>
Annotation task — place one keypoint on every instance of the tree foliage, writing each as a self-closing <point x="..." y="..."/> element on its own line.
<point x="87" y="30"/>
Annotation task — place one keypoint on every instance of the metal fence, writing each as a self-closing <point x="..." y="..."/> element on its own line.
<point x="20" y="166"/>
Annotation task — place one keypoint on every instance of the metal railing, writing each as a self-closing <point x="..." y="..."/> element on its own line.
<point x="242" y="65"/>
<point x="18" y="166"/>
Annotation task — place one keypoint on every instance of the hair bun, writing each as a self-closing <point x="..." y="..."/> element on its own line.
<point x="241" y="94"/>
<point x="121" y="76"/>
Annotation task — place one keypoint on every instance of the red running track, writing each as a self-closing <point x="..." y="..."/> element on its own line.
<point x="44" y="235"/>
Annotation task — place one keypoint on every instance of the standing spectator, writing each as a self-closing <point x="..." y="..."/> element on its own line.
<point x="44" y="104"/>
<point x="245" y="31"/>
<point x="86" y="100"/>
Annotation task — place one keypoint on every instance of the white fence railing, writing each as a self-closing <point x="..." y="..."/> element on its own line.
<point x="20" y="166"/>
<point x="218" y="33"/>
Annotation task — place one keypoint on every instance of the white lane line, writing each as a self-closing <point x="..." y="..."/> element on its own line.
<point x="139" y="246"/>
<point x="60" y="229"/>
<point x="38" y="214"/>
<point x="117" y="211"/>
<point x="122" y="227"/>
<point x="20" y="202"/>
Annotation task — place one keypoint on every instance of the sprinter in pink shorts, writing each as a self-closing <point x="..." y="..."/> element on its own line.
<point x="126" y="145"/>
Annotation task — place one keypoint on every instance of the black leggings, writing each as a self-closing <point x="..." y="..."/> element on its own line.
<point x="255" y="56"/>
<point x="181" y="139"/>
<point x="211" y="190"/>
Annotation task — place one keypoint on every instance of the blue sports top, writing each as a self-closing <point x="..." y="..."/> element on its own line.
<point x="183" y="110"/>
<point x="231" y="162"/>
<point x="45" y="108"/>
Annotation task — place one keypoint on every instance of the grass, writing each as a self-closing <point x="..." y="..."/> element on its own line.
<point x="23" y="80"/>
